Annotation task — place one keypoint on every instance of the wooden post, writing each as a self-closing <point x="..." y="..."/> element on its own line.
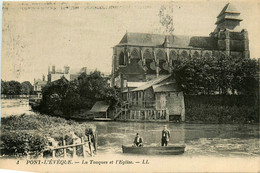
<point x="64" y="150"/>
<point x="125" y="111"/>
<point x="83" y="147"/>
<point x="74" y="149"/>
<point x="96" y="141"/>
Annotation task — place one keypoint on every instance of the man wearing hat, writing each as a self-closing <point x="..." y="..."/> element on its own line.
<point x="138" y="140"/>
<point x="165" y="136"/>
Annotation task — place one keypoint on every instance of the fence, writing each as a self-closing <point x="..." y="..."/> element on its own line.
<point x="88" y="147"/>
<point x="4" y="96"/>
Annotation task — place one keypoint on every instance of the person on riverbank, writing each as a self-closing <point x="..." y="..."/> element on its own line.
<point x="91" y="140"/>
<point x="138" y="141"/>
<point x="165" y="136"/>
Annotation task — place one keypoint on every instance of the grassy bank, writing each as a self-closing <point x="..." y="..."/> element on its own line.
<point x="221" y="109"/>
<point x="22" y="134"/>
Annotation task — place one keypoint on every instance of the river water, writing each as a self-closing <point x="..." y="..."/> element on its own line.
<point x="200" y="139"/>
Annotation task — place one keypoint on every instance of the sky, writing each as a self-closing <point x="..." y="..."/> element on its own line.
<point x="36" y="35"/>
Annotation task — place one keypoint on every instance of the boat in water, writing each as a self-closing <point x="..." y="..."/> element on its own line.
<point x="155" y="150"/>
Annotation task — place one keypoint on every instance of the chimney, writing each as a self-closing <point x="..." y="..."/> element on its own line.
<point x="43" y="77"/>
<point x="53" y="69"/>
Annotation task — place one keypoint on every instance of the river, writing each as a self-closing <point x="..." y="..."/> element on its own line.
<point x="200" y="139"/>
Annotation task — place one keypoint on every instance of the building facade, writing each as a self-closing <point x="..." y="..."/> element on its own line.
<point x="38" y="85"/>
<point x="142" y="57"/>
<point x="54" y="74"/>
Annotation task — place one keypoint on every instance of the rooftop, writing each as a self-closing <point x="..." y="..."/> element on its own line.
<point x="151" y="83"/>
<point x="157" y="40"/>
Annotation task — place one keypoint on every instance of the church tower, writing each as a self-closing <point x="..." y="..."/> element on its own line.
<point x="231" y="39"/>
<point x="228" y="18"/>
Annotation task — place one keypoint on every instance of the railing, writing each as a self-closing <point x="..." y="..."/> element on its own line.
<point x="145" y="104"/>
<point x="54" y="149"/>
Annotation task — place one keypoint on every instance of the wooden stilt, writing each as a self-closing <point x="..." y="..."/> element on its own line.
<point x="83" y="148"/>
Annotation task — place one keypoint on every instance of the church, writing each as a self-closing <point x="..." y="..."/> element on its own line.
<point x="140" y="58"/>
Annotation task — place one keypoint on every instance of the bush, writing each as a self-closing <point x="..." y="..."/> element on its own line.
<point x="19" y="143"/>
<point x="28" y="133"/>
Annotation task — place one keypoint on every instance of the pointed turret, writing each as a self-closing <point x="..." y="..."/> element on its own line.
<point x="228" y="18"/>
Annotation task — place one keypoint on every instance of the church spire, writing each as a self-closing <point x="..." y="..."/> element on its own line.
<point x="228" y="18"/>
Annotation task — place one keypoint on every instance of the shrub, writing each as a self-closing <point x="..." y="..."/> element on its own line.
<point x="19" y="143"/>
<point x="28" y="133"/>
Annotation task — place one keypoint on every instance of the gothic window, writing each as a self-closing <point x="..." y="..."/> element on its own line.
<point x="173" y="56"/>
<point x="147" y="54"/>
<point x="134" y="54"/>
<point x="195" y="55"/>
<point x="149" y="62"/>
<point x="160" y="55"/>
<point x="163" y="65"/>
<point x="184" y="55"/>
<point x="122" y="60"/>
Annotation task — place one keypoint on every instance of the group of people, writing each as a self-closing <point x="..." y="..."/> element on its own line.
<point x="138" y="141"/>
<point x="72" y="138"/>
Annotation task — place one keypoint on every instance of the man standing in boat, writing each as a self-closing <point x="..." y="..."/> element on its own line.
<point x="138" y="140"/>
<point x="165" y="136"/>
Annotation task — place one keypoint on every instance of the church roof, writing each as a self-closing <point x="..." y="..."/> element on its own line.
<point x="229" y="8"/>
<point x="158" y="40"/>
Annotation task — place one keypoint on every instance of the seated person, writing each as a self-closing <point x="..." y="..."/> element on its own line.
<point x="138" y="142"/>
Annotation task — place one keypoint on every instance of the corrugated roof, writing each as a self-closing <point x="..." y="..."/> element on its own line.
<point x="100" y="106"/>
<point x="179" y="41"/>
<point x="135" y="84"/>
<point x="168" y="87"/>
<point x="151" y="83"/>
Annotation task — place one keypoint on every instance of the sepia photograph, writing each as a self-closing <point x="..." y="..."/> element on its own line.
<point x="130" y="86"/>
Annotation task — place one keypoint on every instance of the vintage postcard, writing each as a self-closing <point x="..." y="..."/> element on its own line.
<point x="130" y="86"/>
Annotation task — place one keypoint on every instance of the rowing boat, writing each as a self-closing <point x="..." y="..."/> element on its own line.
<point x="155" y="150"/>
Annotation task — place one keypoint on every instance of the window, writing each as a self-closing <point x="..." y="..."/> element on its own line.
<point x="122" y="59"/>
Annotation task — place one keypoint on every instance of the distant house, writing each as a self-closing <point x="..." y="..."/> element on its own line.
<point x="38" y="85"/>
<point x="55" y="74"/>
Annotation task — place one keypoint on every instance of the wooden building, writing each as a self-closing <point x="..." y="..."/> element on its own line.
<point x="157" y="100"/>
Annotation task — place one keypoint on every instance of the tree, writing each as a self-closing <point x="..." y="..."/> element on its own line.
<point x="217" y="74"/>
<point x="52" y="96"/>
<point x="11" y="88"/>
<point x="64" y="98"/>
<point x="165" y="19"/>
<point x="26" y="88"/>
